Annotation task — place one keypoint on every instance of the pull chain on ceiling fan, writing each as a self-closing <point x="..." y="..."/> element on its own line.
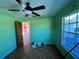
<point x="28" y="9"/>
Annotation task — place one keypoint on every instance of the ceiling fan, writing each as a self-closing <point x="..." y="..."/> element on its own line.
<point x="28" y="9"/>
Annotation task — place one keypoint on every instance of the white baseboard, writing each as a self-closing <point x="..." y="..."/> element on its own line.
<point x="50" y="43"/>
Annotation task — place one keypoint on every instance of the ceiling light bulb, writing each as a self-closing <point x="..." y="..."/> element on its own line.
<point x="28" y="12"/>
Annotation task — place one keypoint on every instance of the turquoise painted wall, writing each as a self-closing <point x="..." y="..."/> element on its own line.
<point x="41" y="29"/>
<point x="7" y="34"/>
<point x="58" y="23"/>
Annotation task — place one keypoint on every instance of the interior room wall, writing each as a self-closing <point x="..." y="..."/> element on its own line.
<point x="7" y="34"/>
<point x="72" y="6"/>
<point x="41" y="29"/>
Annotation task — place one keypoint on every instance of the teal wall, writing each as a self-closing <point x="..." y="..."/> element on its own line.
<point x="58" y="23"/>
<point x="7" y="34"/>
<point x="41" y="29"/>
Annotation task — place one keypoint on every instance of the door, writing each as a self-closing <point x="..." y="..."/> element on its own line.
<point x="19" y="39"/>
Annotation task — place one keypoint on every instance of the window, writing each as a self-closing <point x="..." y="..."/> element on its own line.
<point x="78" y="16"/>
<point x="70" y="33"/>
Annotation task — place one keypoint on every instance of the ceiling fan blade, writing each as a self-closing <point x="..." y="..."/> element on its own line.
<point x="35" y="14"/>
<point x="38" y="8"/>
<point x="13" y="10"/>
<point x="19" y="1"/>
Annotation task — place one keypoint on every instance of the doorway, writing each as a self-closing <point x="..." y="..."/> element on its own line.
<point x="26" y="33"/>
<point x="22" y="34"/>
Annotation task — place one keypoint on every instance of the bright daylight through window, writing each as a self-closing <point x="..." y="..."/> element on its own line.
<point x="70" y="33"/>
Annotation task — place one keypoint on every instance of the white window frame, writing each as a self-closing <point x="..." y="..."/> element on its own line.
<point x="63" y="29"/>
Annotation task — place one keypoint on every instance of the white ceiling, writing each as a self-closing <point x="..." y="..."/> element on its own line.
<point x="52" y="6"/>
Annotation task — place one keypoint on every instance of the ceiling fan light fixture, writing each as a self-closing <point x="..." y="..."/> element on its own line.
<point x="29" y="12"/>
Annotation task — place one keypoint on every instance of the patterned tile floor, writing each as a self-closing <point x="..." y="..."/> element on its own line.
<point x="45" y="52"/>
